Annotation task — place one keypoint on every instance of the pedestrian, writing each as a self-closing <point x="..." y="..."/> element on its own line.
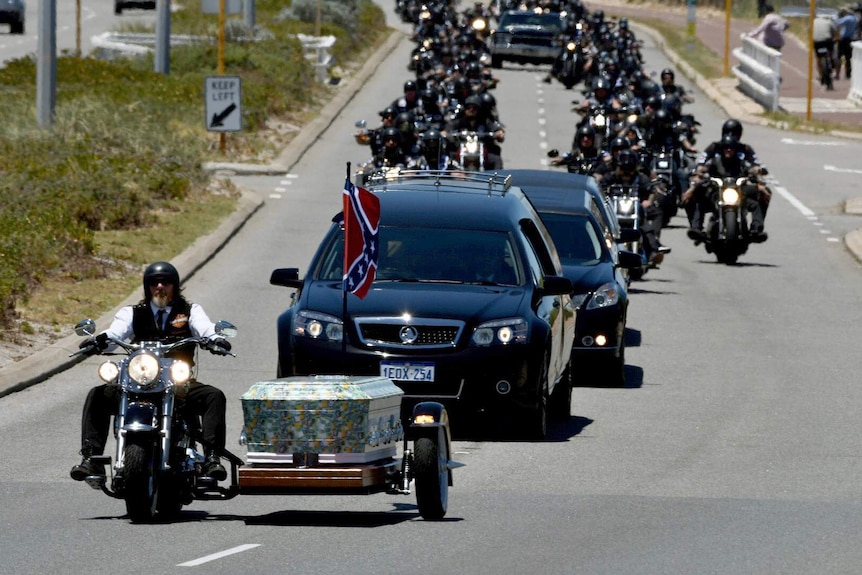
<point x="771" y="30"/>
<point x="846" y="23"/>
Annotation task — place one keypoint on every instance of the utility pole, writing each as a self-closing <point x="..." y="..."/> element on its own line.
<point x="46" y="64"/>
<point x="163" y="37"/>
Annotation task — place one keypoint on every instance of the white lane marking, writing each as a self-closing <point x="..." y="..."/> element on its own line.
<point x="292" y="176"/>
<point x="219" y="555"/>
<point x="833" y="239"/>
<point x="829" y="168"/>
<point x="275" y="196"/>
<point x="793" y="142"/>
<point x="280" y="189"/>
<point x="794" y="201"/>
<point x="286" y="183"/>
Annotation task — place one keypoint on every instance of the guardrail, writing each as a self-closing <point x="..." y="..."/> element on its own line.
<point x="856" y="76"/>
<point x="758" y="72"/>
<point x="110" y="45"/>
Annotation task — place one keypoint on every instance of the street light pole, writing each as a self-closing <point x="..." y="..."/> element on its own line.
<point x="46" y="64"/>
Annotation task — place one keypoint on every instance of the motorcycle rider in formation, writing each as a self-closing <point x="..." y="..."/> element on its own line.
<point x="728" y="162"/>
<point x="163" y="315"/>
<point x="732" y="156"/>
<point x="628" y="173"/>
<point x="472" y="119"/>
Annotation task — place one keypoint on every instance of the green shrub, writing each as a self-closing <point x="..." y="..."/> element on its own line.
<point x="128" y="144"/>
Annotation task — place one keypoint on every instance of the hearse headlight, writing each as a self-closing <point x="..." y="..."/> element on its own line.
<point x="605" y="296"/>
<point x="318" y="325"/>
<point x="501" y="332"/>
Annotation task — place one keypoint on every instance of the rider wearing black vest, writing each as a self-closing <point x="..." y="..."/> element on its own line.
<point x="162" y="300"/>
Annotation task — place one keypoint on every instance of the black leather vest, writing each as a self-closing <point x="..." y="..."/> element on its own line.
<point x="176" y="327"/>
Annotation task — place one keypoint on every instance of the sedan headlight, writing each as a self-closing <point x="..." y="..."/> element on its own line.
<point x="605" y="296"/>
<point x="109" y="371"/>
<point x="318" y="325"/>
<point x="144" y="369"/>
<point x="730" y="196"/>
<point x="501" y="332"/>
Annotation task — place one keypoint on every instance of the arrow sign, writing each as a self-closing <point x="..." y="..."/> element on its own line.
<point x="218" y="119"/>
<point x="223" y="103"/>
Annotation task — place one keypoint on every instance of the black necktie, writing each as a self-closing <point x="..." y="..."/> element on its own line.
<point x="160" y="320"/>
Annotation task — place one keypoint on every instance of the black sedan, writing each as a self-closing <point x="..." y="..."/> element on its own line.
<point x="575" y="214"/>
<point x="469" y="306"/>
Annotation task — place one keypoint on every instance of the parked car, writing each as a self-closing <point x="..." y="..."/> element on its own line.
<point x="576" y="215"/>
<point x="525" y="36"/>
<point x="12" y="12"/>
<point x="120" y="5"/>
<point x="469" y="306"/>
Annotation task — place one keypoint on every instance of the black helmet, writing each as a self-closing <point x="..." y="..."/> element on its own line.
<point x="160" y="270"/>
<point x="732" y="127"/>
<point x="627" y="161"/>
<point x="432" y="142"/>
<point x="473" y="101"/>
<point x="392" y="133"/>
<point x="601" y="83"/>
<point x="668" y="72"/>
<point x="624" y="23"/>
<point x="585" y="130"/>
<point x="727" y="143"/>
<point x="410" y="85"/>
<point x="404" y="122"/>
<point x="662" y="119"/>
<point x="618" y="144"/>
<point x="390" y="112"/>
<point x="672" y="103"/>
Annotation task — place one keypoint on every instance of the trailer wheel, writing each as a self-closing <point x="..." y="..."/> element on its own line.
<point x="432" y="478"/>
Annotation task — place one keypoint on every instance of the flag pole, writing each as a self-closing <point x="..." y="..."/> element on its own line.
<point x="344" y="274"/>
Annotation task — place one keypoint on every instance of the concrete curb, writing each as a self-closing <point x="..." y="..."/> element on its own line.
<point x="55" y="359"/>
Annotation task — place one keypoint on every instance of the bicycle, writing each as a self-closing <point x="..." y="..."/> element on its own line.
<point x="824" y="65"/>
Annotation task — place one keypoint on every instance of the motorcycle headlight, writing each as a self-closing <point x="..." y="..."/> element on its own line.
<point x="632" y="118"/>
<point x="606" y="296"/>
<point x="318" y="326"/>
<point x="663" y="164"/>
<point x="181" y="372"/>
<point x="626" y="206"/>
<point x="501" y="332"/>
<point x="472" y="146"/>
<point x="109" y="371"/>
<point x="571" y="46"/>
<point x="479" y="25"/>
<point x="144" y="369"/>
<point x="600" y="121"/>
<point x="730" y="196"/>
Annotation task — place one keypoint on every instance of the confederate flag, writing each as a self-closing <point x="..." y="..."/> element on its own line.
<point x="361" y="217"/>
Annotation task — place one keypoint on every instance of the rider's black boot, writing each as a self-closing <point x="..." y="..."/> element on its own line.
<point x="213" y="467"/>
<point x="86" y="468"/>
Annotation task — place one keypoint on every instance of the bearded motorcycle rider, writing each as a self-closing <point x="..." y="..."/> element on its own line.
<point x="163" y="315"/>
<point x="729" y="161"/>
<point x="628" y="173"/>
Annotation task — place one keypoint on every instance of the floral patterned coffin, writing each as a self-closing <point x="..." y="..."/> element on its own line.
<point x="307" y="420"/>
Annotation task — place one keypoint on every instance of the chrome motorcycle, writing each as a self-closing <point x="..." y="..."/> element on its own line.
<point x="727" y="226"/>
<point x="629" y="212"/>
<point x="157" y="467"/>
